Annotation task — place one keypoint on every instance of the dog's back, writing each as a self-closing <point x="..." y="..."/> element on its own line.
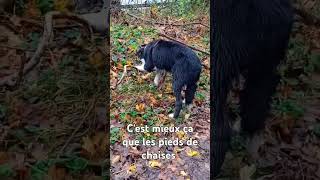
<point x="168" y="53"/>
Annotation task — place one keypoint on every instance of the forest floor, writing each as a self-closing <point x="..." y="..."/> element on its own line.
<point x="136" y="100"/>
<point x="52" y="119"/>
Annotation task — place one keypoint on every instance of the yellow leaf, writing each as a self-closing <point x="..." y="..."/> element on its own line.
<point x="132" y="168"/>
<point x="192" y="153"/>
<point x="129" y="63"/>
<point x="183" y="173"/>
<point x="177" y="150"/>
<point x="181" y="134"/>
<point x="140" y="107"/>
<point x="154" y="11"/>
<point x="154" y="164"/>
<point x="62" y="5"/>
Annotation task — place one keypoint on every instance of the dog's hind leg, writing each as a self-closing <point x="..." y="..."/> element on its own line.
<point x="190" y="92"/>
<point x="177" y="88"/>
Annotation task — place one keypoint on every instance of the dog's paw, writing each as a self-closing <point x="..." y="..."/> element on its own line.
<point x="171" y="115"/>
<point x="189" y="107"/>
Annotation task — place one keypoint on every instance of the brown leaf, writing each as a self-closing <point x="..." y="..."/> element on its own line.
<point x="96" y="145"/>
<point x="140" y="107"/>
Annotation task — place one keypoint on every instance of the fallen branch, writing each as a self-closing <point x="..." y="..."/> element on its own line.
<point x="171" y="38"/>
<point x="47" y="33"/>
<point x="123" y="74"/>
<point x="11" y="80"/>
<point x="166" y="24"/>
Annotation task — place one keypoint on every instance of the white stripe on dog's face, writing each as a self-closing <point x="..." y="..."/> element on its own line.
<point x="141" y="67"/>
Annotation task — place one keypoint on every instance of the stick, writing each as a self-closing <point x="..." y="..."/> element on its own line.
<point x="171" y="38"/>
<point x="123" y="74"/>
<point x="47" y="33"/>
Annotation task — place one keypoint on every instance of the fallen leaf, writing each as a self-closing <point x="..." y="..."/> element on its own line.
<point x="154" y="164"/>
<point x="97" y="60"/>
<point x="181" y="134"/>
<point x="186" y="116"/>
<point x="96" y="145"/>
<point x="183" y="173"/>
<point x="147" y="76"/>
<point x="132" y="168"/>
<point x="62" y="5"/>
<point x="140" y="107"/>
<point x="177" y="150"/>
<point x="192" y="153"/>
<point x="115" y="159"/>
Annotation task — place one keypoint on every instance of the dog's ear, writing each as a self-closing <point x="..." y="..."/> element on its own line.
<point x="140" y="50"/>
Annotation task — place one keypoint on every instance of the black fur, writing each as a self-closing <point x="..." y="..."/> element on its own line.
<point x="250" y="38"/>
<point x="178" y="59"/>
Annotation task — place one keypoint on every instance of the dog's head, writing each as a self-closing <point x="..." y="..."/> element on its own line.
<point x="139" y="53"/>
<point x="145" y="55"/>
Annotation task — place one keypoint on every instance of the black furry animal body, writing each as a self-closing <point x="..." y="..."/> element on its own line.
<point x="250" y="38"/>
<point x="178" y="59"/>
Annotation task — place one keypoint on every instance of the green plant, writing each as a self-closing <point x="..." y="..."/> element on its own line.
<point x="45" y="5"/>
<point x="289" y="108"/>
<point x="6" y="171"/>
<point x="189" y="8"/>
<point x="114" y="135"/>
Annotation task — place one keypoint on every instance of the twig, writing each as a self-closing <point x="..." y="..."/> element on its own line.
<point x="11" y="80"/>
<point x="171" y="38"/>
<point x="47" y="33"/>
<point x="123" y="74"/>
<point x="77" y="128"/>
<point x="168" y="24"/>
<point x="119" y="171"/>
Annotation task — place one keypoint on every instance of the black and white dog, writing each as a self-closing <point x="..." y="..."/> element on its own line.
<point x="178" y="59"/>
